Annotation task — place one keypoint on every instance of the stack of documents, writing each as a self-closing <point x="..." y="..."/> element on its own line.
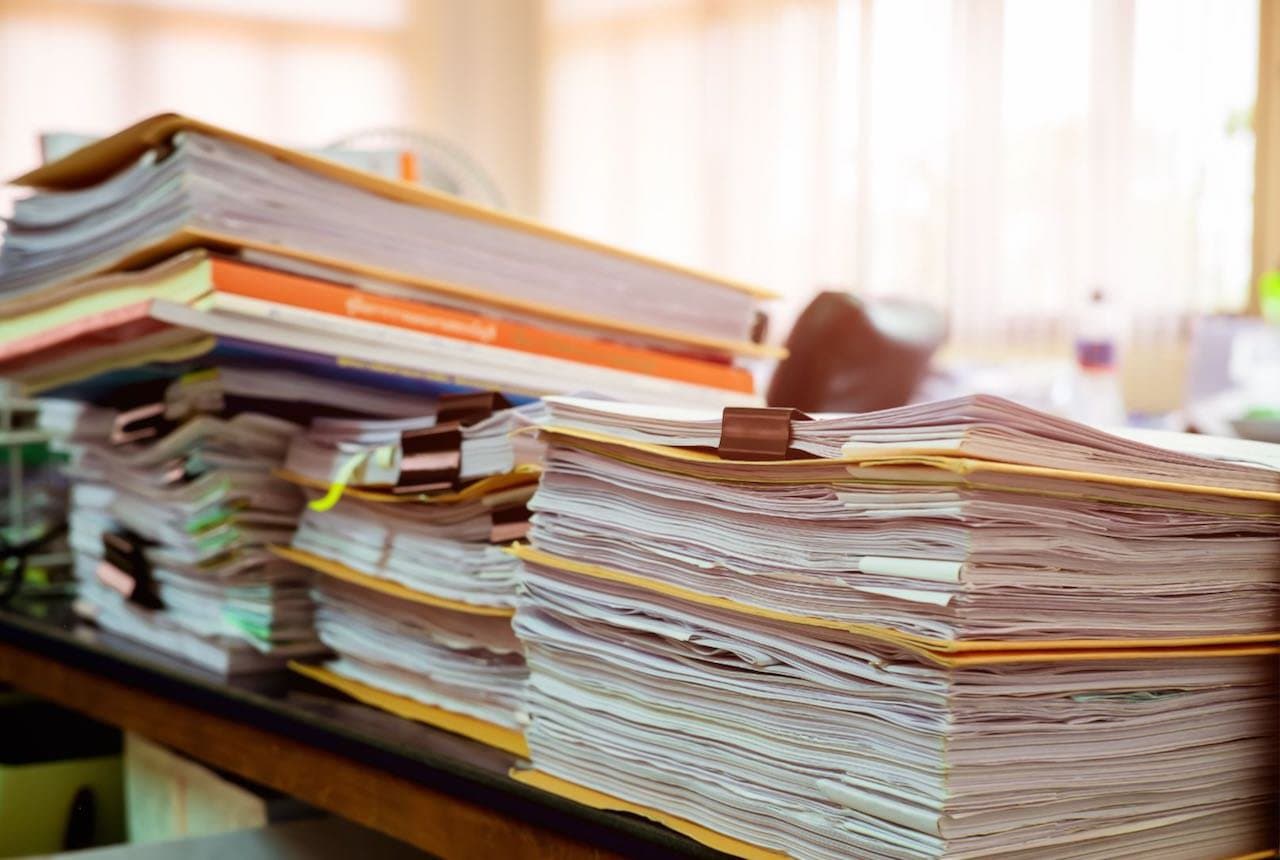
<point x="417" y="591"/>
<point x="959" y="630"/>
<point x="173" y="237"/>
<point x="172" y="512"/>
<point x="174" y="506"/>
<point x="175" y="247"/>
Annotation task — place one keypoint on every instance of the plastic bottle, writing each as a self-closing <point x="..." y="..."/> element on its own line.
<point x="1097" y="394"/>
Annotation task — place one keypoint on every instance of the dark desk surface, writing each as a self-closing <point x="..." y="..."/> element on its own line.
<point x="441" y="792"/>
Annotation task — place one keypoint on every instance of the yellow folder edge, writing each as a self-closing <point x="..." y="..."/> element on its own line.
<point x="508" y="740"/>
<point x="600" y="800"/>
<point x="520" y="476"/>
<point x="340" y="571"/>
<point x="968" y="466"/>
<point x="945" y="652"/>
<point x="928" y="458"/>
<point x="108" y="156"/>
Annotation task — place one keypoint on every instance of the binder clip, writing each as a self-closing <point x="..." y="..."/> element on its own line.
<point x="430" y="459"/>
<point x="763" y="433"/>
<point x="142" y="422"/>
<point x="125" y="569"/>
<point x="468" y="409"/>
<point x="509" y="524"/>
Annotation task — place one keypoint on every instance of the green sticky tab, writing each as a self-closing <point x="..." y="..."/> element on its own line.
<point x="340" y="481"/>
<point x="202" y="375"/>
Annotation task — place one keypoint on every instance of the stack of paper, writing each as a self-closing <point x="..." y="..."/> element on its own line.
<point x="174" y="505"/>
<point x="173" y="236"/>
<point x="956" y="630"/>
<point x="170" y="524"/>
<point x="370" y="453"/>
<point x="417" y="590"/>
<point x="175" y="247"/>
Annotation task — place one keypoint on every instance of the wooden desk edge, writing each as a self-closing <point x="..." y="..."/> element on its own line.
<point x="436" y="822"/>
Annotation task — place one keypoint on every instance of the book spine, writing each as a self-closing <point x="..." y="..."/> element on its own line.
<point x="310" y="294"/>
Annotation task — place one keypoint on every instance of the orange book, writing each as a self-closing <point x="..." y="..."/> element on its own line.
<point x="270" y="285"/>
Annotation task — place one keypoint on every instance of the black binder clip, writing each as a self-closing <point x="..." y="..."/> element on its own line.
<point x="751" y="433"/>
<point x="430" y="459"/>
<point x="124" y="568"/>
<point x="508" y="524"/>
<point x="141" y="422"/>
<point x="468" y="409"/>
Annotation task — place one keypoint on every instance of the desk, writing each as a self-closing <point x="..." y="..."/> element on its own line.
<point x="440" y="792"/>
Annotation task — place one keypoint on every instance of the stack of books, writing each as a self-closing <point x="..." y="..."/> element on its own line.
<point x="956" y="630"/>
<point x="407" y="529"/>
<point x="175" y="248"/>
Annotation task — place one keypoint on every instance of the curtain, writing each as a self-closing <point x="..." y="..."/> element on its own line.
<point x="301" y="74"/>
<point x="998" y="159"/>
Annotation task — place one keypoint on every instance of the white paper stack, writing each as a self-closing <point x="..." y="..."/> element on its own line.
<point x="463" y="663"/>
<point x="442" y="549"/>
<point x="369" y="453"/>
<point x="203" y="506"/>
<point x="234" y="192"/>
<point x="417" y="590"/>
<point x="187" y="480"/>
<point x="175" y="245"/>
<point x="959" y="630"/>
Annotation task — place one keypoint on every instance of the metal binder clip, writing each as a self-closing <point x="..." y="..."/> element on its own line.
<point x="509" y="524"/>
<point x="430" y="459"/>
<point x="468" y="409"/>
<point x="764" y="433"/>
<point x="124" y="568"/>
<point x="141" y="422"/>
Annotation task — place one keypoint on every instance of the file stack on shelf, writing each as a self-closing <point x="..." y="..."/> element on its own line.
<point x="954" y="630"/>
<point x="175" y="247"/>
<point x="415" y="591"/>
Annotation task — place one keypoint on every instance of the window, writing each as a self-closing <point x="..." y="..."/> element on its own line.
<point x="299" y="73"/>
<point x="997" y="158"/>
